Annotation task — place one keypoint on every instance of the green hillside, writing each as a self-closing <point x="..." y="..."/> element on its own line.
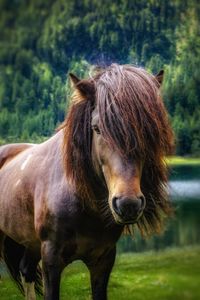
<point x="42" y="40"/>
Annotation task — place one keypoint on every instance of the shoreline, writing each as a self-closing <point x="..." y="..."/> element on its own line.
<point x="183" y="161"/>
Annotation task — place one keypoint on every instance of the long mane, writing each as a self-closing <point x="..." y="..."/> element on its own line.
<point x="133" y="120"/>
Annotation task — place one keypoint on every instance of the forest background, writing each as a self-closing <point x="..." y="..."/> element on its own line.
<point x="41" y="41"/>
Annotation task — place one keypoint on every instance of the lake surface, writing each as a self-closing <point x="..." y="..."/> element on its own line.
<point x="184" y="228"/>
<point x="185" y="189"/>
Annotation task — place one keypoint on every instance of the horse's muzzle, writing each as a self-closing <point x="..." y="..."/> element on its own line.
<point x="128" y="210"/>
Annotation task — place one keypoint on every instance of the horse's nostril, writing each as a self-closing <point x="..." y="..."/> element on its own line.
<point x="115" y="203"/>
<point x="143" y="201"/>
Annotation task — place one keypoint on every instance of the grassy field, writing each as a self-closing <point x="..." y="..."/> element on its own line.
<point x="172" y="274"/>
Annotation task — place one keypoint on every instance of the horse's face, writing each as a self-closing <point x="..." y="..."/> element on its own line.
<point x="127" y="108"/>
<point x="122" y="178"/>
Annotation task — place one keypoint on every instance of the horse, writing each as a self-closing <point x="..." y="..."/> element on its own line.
<point x="103" y="171"/>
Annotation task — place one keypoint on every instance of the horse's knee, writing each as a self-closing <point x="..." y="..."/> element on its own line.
<point x="52" y="268"/>
<point x="100" y="270"/>
<point x="30" y="275"/>
<point x="28" y="266"/>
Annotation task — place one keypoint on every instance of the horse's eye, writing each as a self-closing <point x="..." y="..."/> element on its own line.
<point x="96" y="129"/>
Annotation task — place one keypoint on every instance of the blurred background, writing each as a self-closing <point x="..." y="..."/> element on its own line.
<point x="41" y="41"/>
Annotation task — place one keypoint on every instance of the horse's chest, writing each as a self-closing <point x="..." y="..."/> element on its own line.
<point x="91" y="246"/>
<point x="88" y="246"/>
<point x="92" y="238"/>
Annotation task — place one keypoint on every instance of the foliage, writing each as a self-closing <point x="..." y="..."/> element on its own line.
<point x="41" y="41"/>
<point x="171" y="274"/>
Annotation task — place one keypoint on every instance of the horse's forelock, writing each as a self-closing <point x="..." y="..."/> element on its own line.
<point x="131" y="111"/>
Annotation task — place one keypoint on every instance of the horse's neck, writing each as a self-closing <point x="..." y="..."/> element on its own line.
<point x="51" y="150"/>
<point x="56" y="143"/>
<point x="56" y="139"/>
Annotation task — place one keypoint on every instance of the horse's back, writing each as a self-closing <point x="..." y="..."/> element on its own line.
<point x="9" y="151"/>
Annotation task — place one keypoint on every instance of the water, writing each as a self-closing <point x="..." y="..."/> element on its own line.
<point x="185" y="183"/>
<point x="184" y="228"/>
<point x="185" y="190"/>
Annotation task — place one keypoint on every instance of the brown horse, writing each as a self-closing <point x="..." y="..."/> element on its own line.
<point x="72" y="196"/>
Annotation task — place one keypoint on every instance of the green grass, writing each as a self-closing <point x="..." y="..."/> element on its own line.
<point x="179" y="160"/>
<point x="172" y="274"/>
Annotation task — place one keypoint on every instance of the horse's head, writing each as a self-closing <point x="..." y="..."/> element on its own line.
<point x="122" y="177"/>
<point x="117" y="133"/>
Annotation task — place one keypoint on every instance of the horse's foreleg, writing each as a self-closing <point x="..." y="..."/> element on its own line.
<point x="99" y="272"/>
<point x="1" y="243"/>
<point x="52" y="268"/>
<point x="28" y="270"/>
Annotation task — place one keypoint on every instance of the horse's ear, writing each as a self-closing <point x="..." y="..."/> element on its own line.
<point x="159" y="77"/>
<point x="84" y="86"/>
<point x="74" y="79"/>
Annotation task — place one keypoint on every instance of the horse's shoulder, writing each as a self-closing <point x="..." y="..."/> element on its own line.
<point x="9" y="151"/>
